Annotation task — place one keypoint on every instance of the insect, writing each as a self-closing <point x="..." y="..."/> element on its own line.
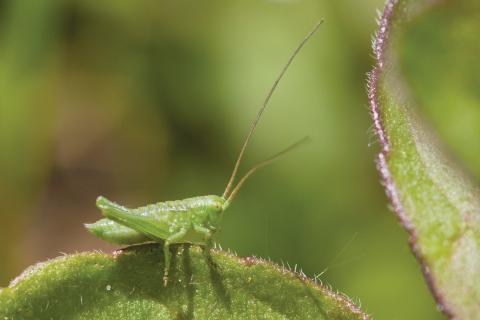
<point x="192" y="220"/>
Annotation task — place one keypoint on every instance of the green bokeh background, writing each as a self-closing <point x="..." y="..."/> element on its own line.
<point x="143" y="101"/>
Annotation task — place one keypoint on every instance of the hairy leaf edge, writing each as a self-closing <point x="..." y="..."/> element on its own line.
<point x="379" y="46"/>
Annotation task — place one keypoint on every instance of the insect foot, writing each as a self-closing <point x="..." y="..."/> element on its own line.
<point x="165" y="278"/>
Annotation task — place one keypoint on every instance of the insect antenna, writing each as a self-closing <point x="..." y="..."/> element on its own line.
<point x="263" y="164"/>
<point x="264" y="106"/>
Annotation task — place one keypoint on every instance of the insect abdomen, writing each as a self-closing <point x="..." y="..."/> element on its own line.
<point x="114" y="232"/>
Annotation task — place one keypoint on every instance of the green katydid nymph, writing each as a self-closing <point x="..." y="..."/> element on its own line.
<point x="192" y="220"/>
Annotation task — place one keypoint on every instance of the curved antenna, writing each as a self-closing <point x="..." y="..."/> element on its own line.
<point x="263" y="164"/>
<point x="264" y="106"/>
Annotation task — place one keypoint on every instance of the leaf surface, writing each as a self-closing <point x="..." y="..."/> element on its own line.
<point x="128" y="285"/>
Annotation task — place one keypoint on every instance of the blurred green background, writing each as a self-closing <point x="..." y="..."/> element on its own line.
<point x="143" y="101"/>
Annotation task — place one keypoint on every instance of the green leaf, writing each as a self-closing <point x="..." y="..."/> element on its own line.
<point x="128" y="285"/>
<point x="434" y="200"/>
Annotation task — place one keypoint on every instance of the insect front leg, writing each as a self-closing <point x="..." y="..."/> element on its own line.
<point x="166" y="252"/>
<point x="207" y="233"/>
